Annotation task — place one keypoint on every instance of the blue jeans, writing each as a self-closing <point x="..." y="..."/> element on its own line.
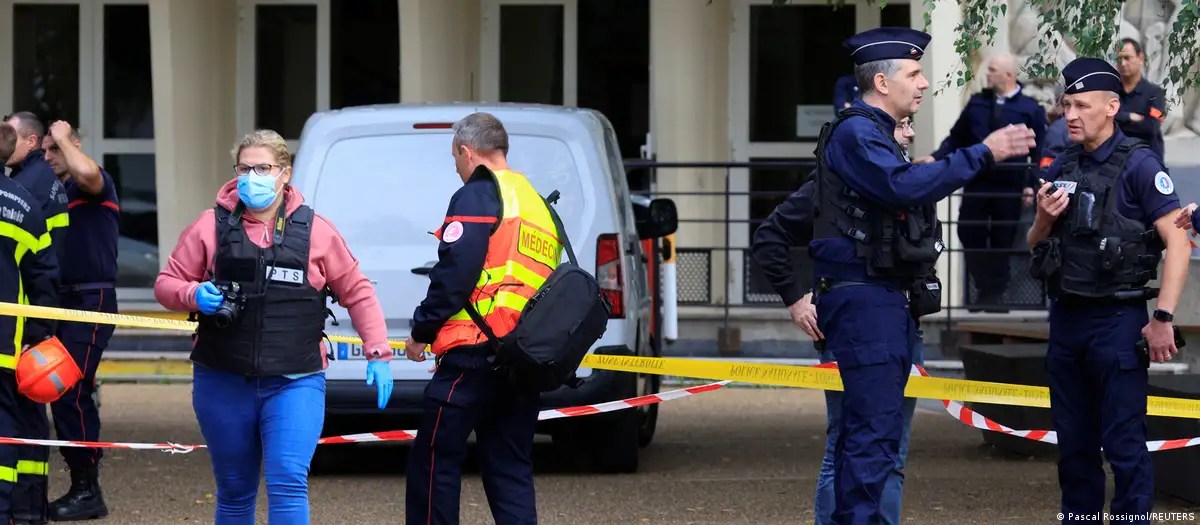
<point x="248" y="420"/>
<point x="892" y="495"/>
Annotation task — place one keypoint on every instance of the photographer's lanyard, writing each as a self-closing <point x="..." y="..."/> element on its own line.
<point x="276" y="240"/>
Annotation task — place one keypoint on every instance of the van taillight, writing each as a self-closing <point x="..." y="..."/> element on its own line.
<point x="433" y="125"/>
<point x="608" y="273"/>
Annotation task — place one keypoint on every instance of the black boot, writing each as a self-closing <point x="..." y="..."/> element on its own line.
<point x="83" y="501"/>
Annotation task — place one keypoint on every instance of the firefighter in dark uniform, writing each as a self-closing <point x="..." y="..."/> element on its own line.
<point x="990" y="209"/>
<point x="1143" y="103"/>
<point x="33" y="172"/>
<point x="28" y="275"/>
<point x="876" y="238"/>
<point x="844" y="92"/>
<point x="1102" y="222"/>
<point x="88" y="258"/>
<point x="496" y="248"/>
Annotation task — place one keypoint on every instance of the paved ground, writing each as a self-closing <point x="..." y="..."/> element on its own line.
<point x="732" y="456"/>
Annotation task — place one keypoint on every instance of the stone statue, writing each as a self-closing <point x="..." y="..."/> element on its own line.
<point x="1147" y="21"/>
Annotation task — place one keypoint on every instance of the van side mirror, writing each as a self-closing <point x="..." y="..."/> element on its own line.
<point x="655" y="218"/>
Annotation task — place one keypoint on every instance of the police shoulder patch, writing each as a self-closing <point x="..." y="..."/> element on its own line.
<point x="453" y="232"/>
<point x="1163" y="183"/>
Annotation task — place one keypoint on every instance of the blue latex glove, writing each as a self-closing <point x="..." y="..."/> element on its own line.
<point x="379" y="373"/>
<point x="208" y="298"/>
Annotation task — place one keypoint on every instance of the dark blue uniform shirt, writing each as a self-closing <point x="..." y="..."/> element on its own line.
<point x="1146" y="192"/>
<point x="983" y="115"/>
<point x="31" y="265"/>
<point x="870" y="162"/>
<point x="790" y="225"/>
<point x="1147" y="100"/>
<point x="36" y="175"/>
<point x="476" y="207"/>
<point x="90" y="250"/>
<point x="844" y="92"/>
<point x="1056" y="142"/>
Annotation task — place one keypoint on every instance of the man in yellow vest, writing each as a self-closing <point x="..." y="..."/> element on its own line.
<point x="498" y="245"/>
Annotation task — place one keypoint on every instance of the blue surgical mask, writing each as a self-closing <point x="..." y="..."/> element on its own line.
<point x="256" y="191"/>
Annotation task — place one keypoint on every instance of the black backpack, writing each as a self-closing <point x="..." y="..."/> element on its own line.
<point x="557" y="327"/>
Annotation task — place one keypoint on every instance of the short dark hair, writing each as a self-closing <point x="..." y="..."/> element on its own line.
<point x="8" y="141"/>
<point x="1137" y="46"/>
<point x="30" y="124"/>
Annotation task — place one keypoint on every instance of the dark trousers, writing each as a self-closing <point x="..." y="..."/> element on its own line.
<point x="10" y="425"/>
<point x="76" y="417"/>
<point x="870" y="332"/>
<point x="466" y="395"/>
<point x="29" y="498"/>
<point x="988" y="230"/>
<point x="1098" y="388"/>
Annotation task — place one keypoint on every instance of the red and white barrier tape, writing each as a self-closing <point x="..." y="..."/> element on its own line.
<point x="392" y="435"/>
<point x="974" y="419"/>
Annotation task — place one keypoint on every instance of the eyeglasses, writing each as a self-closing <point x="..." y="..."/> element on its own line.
<point x="259" y="169"/>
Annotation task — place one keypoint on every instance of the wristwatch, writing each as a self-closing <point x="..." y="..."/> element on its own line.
<point x="1163" y="315"/>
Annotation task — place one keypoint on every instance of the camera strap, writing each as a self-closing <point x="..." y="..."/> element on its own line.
<point x="280" y="222"/>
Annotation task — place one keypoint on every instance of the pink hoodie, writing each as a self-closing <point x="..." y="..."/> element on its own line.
<point x="330" y="261"/>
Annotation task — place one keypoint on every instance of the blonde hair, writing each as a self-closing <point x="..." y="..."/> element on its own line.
<point x="268" y="139"/>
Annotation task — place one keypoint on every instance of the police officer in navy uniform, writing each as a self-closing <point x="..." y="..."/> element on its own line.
<point x="89" y="276"/>
<point x="789" y="226"/>
<point x="28" y="274"/>
<point x="30" y="169"/>
<point x="876" y="238"/>
<point x="1143" y="103"/>
<point x="844" y="92"/>
<point x="1103" y="219"/>
<point x="991" y="204"/>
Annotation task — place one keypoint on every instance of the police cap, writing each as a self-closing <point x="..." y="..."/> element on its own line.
<point x="1090" y="74"/>
<point x="885" y="43"/>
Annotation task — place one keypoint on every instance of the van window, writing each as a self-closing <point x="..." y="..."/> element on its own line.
<point x="385" y="194"/>
<point x="379" y="189"/>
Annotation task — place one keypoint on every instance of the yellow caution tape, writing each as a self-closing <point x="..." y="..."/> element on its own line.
<point x="829" y="379"/>
<point x="764" y="374"/>
<point x="132" y="321"/>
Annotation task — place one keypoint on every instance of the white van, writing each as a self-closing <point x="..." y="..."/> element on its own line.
<point x="384" y="176"/>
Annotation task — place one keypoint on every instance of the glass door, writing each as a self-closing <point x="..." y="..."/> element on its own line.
<point x="88" y="62"/>
<point x="529" y="51"/>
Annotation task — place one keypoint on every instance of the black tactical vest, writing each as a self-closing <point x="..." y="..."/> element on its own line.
<point x="281" y="324"/>
<point x="895" y="244"/>
<point x="1104" y="254"/>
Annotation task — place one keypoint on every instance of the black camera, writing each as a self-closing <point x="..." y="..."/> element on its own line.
<point x="231" y="304"/>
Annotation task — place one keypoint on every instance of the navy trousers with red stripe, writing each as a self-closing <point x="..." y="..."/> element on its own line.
<point x="466" y="395"/>
<point x="76" y="417"/>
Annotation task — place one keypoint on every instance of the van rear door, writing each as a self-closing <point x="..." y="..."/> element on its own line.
<point x="387" y="193"/>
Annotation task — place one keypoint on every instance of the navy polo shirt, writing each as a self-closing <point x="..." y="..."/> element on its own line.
<point x="1147" y="100"/>
<point x="986" y="113"/>
<point x="1145" y="193"/>
<point x="90" y="252"/>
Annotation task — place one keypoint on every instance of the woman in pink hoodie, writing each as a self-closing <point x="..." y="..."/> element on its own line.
<point x="258" y="268"/>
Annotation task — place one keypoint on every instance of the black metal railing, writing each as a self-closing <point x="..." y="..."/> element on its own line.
<point x="699" y="284"/>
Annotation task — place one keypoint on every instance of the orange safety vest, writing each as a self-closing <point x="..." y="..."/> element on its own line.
<point x="522" y="252"/>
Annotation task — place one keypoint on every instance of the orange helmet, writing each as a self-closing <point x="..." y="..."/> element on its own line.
<point x="46" y="371"/>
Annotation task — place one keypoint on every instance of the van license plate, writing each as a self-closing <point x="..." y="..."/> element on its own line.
<point x="347" y="351"/>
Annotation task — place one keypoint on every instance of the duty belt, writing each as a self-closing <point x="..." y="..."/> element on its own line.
<point x="86" y="286"/>
<point x="827" y="285"/>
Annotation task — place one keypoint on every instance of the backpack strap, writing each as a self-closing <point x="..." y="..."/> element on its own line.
<point x="562" y="234"/>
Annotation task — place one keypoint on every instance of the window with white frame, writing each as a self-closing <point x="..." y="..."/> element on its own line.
<point x="88" y="62"/>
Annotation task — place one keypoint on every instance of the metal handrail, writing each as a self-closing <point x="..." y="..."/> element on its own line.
<point x="728" y="246"/>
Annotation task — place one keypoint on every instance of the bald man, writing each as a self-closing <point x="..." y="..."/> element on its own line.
<point x="991" y="205"/>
